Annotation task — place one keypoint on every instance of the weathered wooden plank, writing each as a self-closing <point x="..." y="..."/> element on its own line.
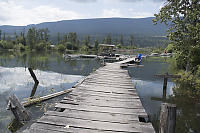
<point x="103" y="117"/>
<point x="89" y="124"/>
<point x="85" y="94"/>
<point x="108" y="77"/>
<point x="124" y="82"/>
<point x="110" y="83"/>
<point x="111" y="75"/>
<point x="102" y="109"/>
<point x="100" y="104"/>
<point x="36" y="130"/>
<point x="105" y="102"/>
<point x="51" y="128"/>
<point x="106" y="85"/>
<point x="107" y="90"/>
<point x="106" y="99"/>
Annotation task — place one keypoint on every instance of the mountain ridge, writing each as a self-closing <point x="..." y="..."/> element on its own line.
<point x="139" y="26"/>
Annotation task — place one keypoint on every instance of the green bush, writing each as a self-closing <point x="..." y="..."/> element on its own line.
<point x="170" y="48"/>
<point x="40" y="46"/>
<point x="20" y="47"/>
<point x="119" y="46"/>
<point x="6" y="44"/>
<point x="2" y="43"/>
<point x="60" y="47"/>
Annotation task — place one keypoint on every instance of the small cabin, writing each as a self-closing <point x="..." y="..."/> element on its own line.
<point x="106" y="49"/>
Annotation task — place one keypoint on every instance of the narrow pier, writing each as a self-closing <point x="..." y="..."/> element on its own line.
<point x="105" y="102"/>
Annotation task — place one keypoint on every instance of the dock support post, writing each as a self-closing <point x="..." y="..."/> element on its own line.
<point x="17" y="109"/>
<point x="165" y="88"/>
<point x="35" y="80"/>
<point x="167" y="118"/>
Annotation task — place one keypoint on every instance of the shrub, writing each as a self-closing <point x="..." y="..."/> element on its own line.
<point x="60" y="47"/>
<point x="40" y="46"/>
<point x="20" y="47"/>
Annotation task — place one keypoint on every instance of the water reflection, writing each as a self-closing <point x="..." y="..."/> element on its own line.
<point x="52" y="71"/>
<point x="149" y="87"/>
<point x="188" y="116"/>
<point x="150" y="92"/>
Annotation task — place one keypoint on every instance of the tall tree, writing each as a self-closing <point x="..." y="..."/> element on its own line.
<point x="108" y="39"/>
<point x="4" y="36"/>
<point x="23" y="38"/>
<point x="65" y="38"/>
<point x="58" y="38"/>
<point x="46" y="34"/>
<point x="121" y="40"/>
<point x="183" y="19"/>
<point x="131" y="41"/>
<point x="87" y="41"/>
<point x="96" y="44"/>
<point x="0" y="34"/>
<point x="32" y="37"/>
<point x="104" y="41"/>
<point x="116" y="41"/>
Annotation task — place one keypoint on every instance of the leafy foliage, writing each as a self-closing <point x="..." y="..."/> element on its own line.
<point x="183" y="19"/>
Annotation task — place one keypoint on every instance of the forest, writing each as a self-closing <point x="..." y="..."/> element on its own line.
<point x="41" y="39"/>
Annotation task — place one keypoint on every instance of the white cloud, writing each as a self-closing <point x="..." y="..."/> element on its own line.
<point x="139" y="14"/>
<point x="111" y="13"/>
<point x="142" y="14"/>
<point x="13" y="14"/>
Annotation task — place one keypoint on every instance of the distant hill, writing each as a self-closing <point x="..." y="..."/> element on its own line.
<point x="144" y="31"/>
<point x="140" y="26"/>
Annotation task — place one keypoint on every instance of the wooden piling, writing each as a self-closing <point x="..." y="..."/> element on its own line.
<point x="18" y="109"/>
<point x="35" y="80"/>
<point x="167" y="118"/>
<point x="165" y="88"/>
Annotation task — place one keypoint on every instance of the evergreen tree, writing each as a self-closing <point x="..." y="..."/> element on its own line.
<point x="96" y="44"/>
<point x="4" y="36"/>
<point x="23" y="39"/>
<point x="108" y="39"/>
<point x="116" y="41"/>
<point x="58" y="38"/>
<point x="32" y="38"/>
<point x="121" y="40"/>
<point x="131" y="41"/>
<point x="0" y="34"/>
<point x="87" y="41"/>
<point x="104" y="41"/>
<point x="65" y="38"/>
<point x="46" y="34"/>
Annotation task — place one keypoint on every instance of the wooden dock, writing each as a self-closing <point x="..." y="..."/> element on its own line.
<point x="105" y="102"/>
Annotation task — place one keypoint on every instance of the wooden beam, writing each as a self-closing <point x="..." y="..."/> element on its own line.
<point x="18" y="109"/>
<point x="44" y="98"/>
<point x="30" y="101"/>
<point x="167" y="76"/>
<point x="167" y="118"/>
<point x="35" y="80"/>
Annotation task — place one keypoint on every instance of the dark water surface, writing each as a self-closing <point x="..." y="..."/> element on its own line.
<point x="55" y="74"/>
<point x="149" y="89"/>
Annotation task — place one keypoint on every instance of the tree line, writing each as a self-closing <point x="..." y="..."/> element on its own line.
<point x="39" y="39"/>
<point x="33" y="40"/>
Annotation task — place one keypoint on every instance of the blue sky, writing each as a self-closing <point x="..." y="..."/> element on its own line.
<point x="24" y="12"/>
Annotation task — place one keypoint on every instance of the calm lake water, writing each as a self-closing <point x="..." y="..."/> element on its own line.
<point x="55" y="74"/>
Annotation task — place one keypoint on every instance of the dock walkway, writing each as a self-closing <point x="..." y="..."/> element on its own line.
<point x="105" y="102"/>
